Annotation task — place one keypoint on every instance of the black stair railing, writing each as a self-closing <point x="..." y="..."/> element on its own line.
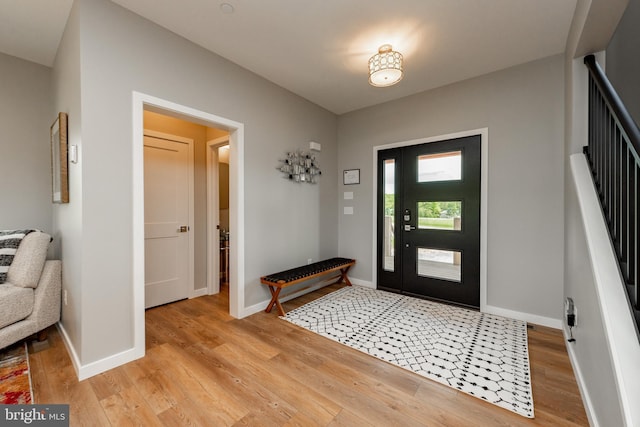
<point x="612" y="153"/>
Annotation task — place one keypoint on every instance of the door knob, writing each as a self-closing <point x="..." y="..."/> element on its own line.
<point x="183" y="229"/>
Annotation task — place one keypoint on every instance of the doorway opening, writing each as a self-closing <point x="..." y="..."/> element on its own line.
<point x="218" y="225"/>
<point x="235" y="130"/>
<point x="204" y="207"/>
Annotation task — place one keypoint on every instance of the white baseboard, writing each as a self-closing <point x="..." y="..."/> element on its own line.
<point x="75" y="360"/>
<point x="363" y="283"/>
<point x="248" y="311"/>
<point x="94" y="368"/>
<point x="103" y="365"/>
<point x="526" y="317"/>
<point x="584" y="391"/>
<point x="199" y="293"/>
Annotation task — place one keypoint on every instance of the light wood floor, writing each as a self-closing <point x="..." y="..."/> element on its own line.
<point x="204" y="368"/>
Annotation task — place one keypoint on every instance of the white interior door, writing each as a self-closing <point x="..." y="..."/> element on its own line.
<point x="167" y="166"/>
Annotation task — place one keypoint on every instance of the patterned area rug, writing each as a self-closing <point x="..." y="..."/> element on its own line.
<point x="480" y="354"/>
<point x="15" y="377"/>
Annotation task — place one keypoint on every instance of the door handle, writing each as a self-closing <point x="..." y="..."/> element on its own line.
<point x="183" y="229"/>
<point x="408" y="227"/>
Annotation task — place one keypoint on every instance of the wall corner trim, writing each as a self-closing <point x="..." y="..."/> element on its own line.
<point x="525" y="317"/>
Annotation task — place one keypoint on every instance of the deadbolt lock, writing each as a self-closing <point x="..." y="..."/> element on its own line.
<point x="183" y="228"/>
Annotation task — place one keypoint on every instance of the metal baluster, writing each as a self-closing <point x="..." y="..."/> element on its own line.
<point x="617" y="168"/>
<point x="610" y="173"/>
<point x="624" y="206"/>
<point x="632" y="219"/>
<point x="635" y="298"/>
<point x="600" y="146"/>
<point x="591" y="148"/>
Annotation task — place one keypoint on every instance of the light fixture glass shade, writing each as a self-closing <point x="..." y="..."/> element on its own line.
<point x="385" y="67"/>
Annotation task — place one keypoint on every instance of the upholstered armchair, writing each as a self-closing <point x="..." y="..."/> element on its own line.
<point x="30" y="295"/>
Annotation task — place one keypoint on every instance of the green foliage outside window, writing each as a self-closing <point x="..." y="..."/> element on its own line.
<point x="439" y="209"/>
<point x="389" y="204"/>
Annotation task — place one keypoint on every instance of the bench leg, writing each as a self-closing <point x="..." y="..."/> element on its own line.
<point x="275" y="292"/>
<point x="343" y="277"/>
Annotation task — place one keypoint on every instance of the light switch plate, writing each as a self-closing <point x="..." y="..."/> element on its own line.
<point x="73" y="153"/>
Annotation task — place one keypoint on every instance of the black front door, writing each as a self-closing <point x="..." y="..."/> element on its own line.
<point x="429" y="220"/>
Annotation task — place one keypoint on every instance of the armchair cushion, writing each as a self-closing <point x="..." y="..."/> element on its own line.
<point x="26" y="268"/>
<point x="16" y="303"/>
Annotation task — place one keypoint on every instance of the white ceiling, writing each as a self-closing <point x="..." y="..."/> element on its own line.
<point x="319" y="49"/>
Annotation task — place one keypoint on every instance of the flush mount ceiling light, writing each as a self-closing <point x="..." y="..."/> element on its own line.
<point x="385" y="67"/>
<point x="226" y="8"/>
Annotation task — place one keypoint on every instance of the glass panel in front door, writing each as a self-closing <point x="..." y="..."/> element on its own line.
<point x="440" y="167"/>
<point x="389" y="212"/>
<point x="439" y="215"/>
<point x="440" y="264"/>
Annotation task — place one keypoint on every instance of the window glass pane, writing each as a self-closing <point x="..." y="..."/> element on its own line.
<point x="389" y="211"/>
<point x="439" y="215"/>
<point x="440" y="264"/>
<point x="440" y="167"/>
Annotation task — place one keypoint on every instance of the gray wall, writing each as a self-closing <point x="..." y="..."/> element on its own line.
<point x="67" y="218"/>
<point x="623" y="59"/>
<point x="523" y="110"/>
<point x="25" y="156"/>
<point x="285" y="223"/>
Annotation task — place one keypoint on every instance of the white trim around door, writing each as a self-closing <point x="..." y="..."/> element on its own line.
<point x="140" y="102"/>
<point x="484" y="188"/>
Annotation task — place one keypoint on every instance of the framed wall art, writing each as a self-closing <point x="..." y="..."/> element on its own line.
<point x="59" y="160"/>
<point x="351" y="176"/>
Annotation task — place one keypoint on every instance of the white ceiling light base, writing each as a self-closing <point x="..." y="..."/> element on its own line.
<point x="227" y="8"/>
<point x="385" y="67"/>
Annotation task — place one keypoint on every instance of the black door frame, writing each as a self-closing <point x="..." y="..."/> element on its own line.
<point x="484" y="138"/>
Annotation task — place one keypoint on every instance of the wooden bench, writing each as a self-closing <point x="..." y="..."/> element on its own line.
<point x="278" y="281"/>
